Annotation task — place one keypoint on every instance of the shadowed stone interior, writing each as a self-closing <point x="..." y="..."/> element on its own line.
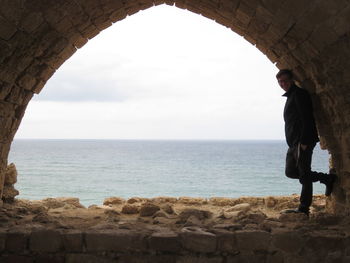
<point x="311" y="37"/>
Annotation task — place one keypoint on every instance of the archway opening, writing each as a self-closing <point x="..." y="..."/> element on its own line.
<point x="199" y="84"/>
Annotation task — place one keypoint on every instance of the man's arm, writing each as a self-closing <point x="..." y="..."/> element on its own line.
<point x="304" y="108"/>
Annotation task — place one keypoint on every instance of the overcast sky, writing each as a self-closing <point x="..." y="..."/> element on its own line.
<point x="163" y="73"/>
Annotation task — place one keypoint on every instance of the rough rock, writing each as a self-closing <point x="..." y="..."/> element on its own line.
<point x="111" y="212"/>
<point x="159" y="214"/>
<point x="192" y="200"/>
<point x="270" y="201"/>
<point x="244" y="207"/>
<point x="250" y="217"/>
<point x="133" y="200"/>
<point x="164" y="199"/>
<point x="234" y="214"/>
<point x="162" y="220"/>
<point x="193" y="221"/>
<point x="222" y="201"/>
<point x="9" y="193"/>
<point x="148" y="209"/>
<point x="167" y="208"/>
<point x="200" y="214"/>
<point x="68" y="202"/>
<point x="130" y="209"/>
<point x="293" y="217"/>
<point x="114" y="201"/>
<point x="11" y="174"/>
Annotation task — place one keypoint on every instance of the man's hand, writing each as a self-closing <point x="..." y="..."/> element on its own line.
<point x="303" y="146"/>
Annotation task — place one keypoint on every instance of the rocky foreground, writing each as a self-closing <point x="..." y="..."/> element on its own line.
<point x="167" y="229"/>
<point x="168" y="212"/>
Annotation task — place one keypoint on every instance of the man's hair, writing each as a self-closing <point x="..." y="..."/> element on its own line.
<point x="285" y="72"/>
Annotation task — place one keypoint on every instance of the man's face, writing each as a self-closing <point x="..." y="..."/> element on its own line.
<point x="285" y="82"/>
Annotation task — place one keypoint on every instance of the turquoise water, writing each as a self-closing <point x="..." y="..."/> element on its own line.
<point x="95" y="169"/>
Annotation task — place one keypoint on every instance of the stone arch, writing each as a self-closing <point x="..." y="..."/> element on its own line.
<point x="310" y="37"/>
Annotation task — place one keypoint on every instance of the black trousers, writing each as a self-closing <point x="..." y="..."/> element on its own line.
<point x="298" y="166"/>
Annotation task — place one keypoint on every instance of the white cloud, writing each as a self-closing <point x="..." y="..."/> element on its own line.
<point x="162" y="73"/>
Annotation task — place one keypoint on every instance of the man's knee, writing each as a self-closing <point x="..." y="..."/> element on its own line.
<point x="292" y="173"/>
<point x="305" y="180"/>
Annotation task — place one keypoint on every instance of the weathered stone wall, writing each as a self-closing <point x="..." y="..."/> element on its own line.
<point x="310" y="37"/>
<point x="190" y="245"/>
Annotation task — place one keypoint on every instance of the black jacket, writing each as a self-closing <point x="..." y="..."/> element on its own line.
<point x="299" y="119"/>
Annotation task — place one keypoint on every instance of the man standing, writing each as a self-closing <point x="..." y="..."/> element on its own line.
<point x="301" y="135"/>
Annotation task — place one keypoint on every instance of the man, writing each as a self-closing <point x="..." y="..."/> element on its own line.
<point x="301" y="135"/>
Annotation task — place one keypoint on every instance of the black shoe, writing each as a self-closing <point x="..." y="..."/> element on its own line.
<point x="296" y="211"/>
<point x="329" y="184"/>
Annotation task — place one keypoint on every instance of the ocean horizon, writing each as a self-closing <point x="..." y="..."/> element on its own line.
<point x="95" y="169"/>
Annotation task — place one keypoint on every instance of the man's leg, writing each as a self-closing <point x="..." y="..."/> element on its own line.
<point x="291" y="170"/>
<point x="306" y="177"/>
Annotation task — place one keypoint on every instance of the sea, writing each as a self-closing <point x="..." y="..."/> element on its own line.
<point x="93" y="170"/>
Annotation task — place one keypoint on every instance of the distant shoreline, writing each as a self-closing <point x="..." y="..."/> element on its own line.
<point x="151" y="140"/>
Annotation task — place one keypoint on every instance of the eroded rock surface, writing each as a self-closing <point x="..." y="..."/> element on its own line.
<point x="191" y="231"/>
<point x="9" y="191"/>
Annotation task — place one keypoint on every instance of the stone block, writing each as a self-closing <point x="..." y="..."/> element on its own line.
<point x="31" y="21"/>
<point x="275" y="257"/>
<point x="16" y="95"/>
<point x="6" y="109"/>
<point x="248" y="257"/>
<point x="5" y="128"/>
<point x="147" y="259"/>
<point x="2" y="240"/>
<point x="45" y="258"/>
<point x="226" y="241"/>
<point x="327" y="240"/>
<point x="45" y="241"/>
<point x="164" y="241"/>
<point x="118" y="15"/>
<point x="253" y="240"/>
<point x="198" y="240"/>
<point x="271" y="5"/>
<point x="342" y="21"/>
<point x="244" y="13"/>
<point x="4" y="90"/>
<point x="16" y="241"/>
<point x="8" y="75"/>
<point x="38" y="87"/>
<point x="287" y="240"/>
<point x="87" y="258"/>
<point x="7" y="29"/>
<point x="200" y="259"/>
<point x="15" y="259"/>
<point x="72" y="241"/>
<point x="115" y="240"/>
